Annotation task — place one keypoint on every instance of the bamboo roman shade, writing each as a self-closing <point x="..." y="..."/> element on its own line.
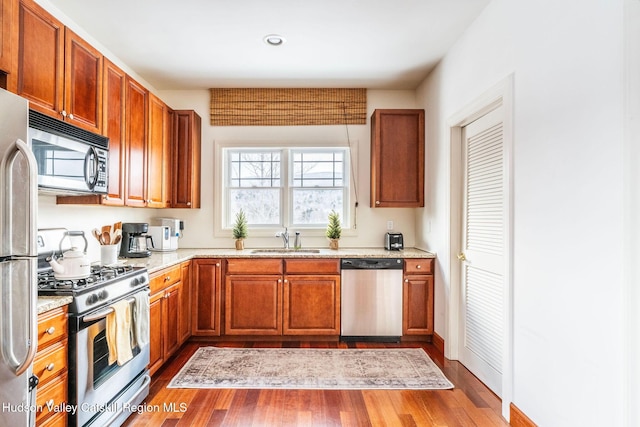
<point x="287" y="107"/>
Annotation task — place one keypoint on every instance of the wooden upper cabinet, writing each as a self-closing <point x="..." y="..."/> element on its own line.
<point x="82" y="83"/>
<point x="6" y="45"/>
<point x="186" y="160"/>
<point x="40" y="67"/>
<point x="158" y="154"/>
<point x="57" y="71"/>
<point x="113" y="125"/>
<point x="136" y="109"/>
<point x="397" y="158"/>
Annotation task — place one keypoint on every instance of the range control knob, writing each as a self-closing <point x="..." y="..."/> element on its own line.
<point x="103" y="295"/>
<point x="138" y="281"/>
<point x="92" y="299"/>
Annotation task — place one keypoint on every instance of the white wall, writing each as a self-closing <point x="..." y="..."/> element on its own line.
<point x="566" y="58"/>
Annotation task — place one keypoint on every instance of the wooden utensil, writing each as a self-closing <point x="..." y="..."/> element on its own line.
<point x="106" y="237"/>
<point x="97" y="235"/>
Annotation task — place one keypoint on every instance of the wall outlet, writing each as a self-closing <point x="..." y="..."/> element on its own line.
<point x="389" y="225"/>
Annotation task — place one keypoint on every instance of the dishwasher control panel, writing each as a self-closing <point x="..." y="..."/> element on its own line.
<point x="372" y="263"/>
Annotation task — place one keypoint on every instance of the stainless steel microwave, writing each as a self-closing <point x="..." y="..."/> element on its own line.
<point x="70" y="160"/>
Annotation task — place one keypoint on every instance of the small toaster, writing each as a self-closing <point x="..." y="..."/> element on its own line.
<point x="393" y="242"/>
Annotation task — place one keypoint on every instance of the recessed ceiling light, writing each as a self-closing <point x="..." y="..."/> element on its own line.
<point x="274" y="40"/>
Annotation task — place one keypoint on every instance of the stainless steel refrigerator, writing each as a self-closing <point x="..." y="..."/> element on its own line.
<point x="18" y="263"/>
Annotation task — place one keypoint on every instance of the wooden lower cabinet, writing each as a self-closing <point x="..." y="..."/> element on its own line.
<point x="253" y="305"/>
<point x="311" y="305"/>
<point x="184" y="314"/>
<point x="206" y="296"/>
<point x="164" y="316"/>
<point x="156" y="349"/>
<point x="417" y="316"/>
<point x="170" y="315"/>
<point x="50" y="366"/>
<point x="282" y="297"/>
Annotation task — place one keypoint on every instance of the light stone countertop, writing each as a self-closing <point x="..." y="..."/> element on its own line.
<point x="47" y="303"/>
<point x="160" y="260"/>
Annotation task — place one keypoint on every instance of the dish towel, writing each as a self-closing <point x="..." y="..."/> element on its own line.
<point x="141" y="318"/>
<point x="119" y="333"/>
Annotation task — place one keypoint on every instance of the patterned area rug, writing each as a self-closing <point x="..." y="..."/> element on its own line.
<point x="295" y="368"/>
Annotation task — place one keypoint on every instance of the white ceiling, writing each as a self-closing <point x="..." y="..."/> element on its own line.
<point x="194" y="44"/>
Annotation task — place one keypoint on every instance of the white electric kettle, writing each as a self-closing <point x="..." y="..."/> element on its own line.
<point x="74" y="263"/>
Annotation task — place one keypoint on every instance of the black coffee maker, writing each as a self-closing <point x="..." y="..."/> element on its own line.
<point x="134" y="240"/>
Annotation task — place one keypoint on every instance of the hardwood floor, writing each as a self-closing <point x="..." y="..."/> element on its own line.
<point x="469" y="404"/>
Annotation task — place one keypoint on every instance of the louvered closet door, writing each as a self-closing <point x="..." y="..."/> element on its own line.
<point x="483" y="245"/>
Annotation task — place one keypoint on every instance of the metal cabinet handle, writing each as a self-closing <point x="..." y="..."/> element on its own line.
<point x="418" y="266"/>
<point x="462" y="257"/>
<point x="406" y="280"/>
<point x="51" y="330"/>
<point x="377" y="202"/>
<point x="63" y="113"/>
<point x="50" y="367"/>
<point x="71" y="116"/>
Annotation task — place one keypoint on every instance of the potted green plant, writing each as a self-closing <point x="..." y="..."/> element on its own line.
<point x="240" y="229"/>
<point x="334" y="230"/>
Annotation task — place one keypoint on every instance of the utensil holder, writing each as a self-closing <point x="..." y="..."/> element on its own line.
<point x="109" y="254"/>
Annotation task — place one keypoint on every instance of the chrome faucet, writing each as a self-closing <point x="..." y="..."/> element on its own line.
<point x="285" y="237"/>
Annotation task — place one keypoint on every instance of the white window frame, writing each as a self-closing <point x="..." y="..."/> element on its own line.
<point x="221" y="208"/>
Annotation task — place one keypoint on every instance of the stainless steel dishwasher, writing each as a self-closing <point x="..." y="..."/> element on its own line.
<point x="371" y="299"/>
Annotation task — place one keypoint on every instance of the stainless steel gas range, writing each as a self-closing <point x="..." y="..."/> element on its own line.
<point x="101" y="393"/>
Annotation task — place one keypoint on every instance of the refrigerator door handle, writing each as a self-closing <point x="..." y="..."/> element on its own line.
<point x="31" y="209"/>
<point x="33" y="195"/>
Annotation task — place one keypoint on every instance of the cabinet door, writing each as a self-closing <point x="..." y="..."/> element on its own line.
<point x="311" y="305"/>
<point x="156" y="345"/>
<point x="253" y="305"/>
<point x="6" y="46"/>
<point x="417" y="316"/>
<point x="157" y="154"/>
<point x="82" y="83"/>
<point x="184" y="314"/>
<point x="40" y="73"/>
<point x="206" y="296"/>
<point x="397" y="158"/>
<point x="186" y="160"/>
<point x="137" y="98"/>
<point x="113" y="126"/>
<point x="170" y="315"/>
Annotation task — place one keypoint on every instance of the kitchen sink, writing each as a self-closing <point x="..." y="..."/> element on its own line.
<point x="285" y="251"/>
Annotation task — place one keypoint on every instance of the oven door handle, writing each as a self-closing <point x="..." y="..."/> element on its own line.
<point x="145" y="383"/>
<point x="103" y="313"/>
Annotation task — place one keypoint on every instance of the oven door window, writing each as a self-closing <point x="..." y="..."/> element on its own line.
<point x="102" y="371"/>
<point x="64" y="163"/>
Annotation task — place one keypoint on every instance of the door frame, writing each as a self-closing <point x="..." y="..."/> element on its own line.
<point x="500" y="94"/>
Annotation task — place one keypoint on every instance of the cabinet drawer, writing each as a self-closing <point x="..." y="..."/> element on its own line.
<point x="50" y="397"/>
<point x="312" y="266"/>
<point x="254" y="266"/>
<point x="52" y="326"/>
<point x="50" y="362"/>
<point x="418" y="266"/>
<point x="163" y="278"/>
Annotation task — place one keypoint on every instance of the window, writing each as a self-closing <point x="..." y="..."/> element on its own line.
<point x="292" y="187"/>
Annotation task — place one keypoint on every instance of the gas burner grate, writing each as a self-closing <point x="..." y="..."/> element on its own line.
<point x="98" y="274"/>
